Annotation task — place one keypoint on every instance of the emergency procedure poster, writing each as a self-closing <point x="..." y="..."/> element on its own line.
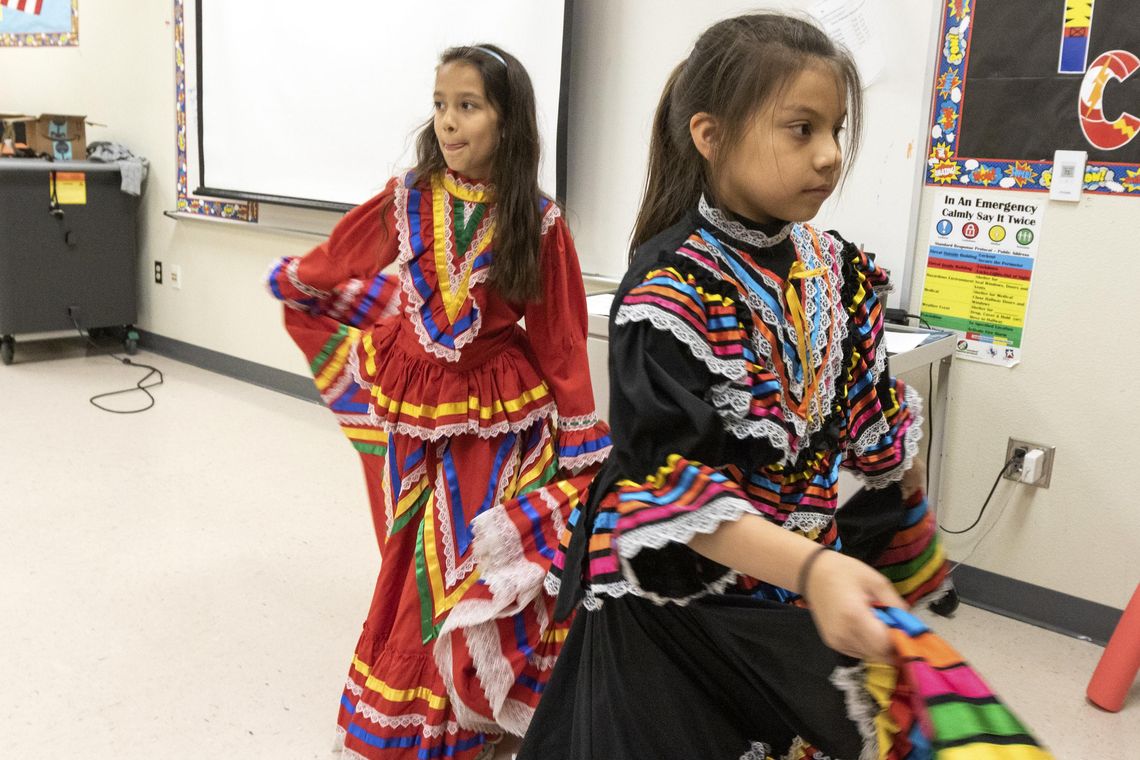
<point x="979" y="268"/>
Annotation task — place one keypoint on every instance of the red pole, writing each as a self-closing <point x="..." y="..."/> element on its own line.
<point x="1120" y="662"/>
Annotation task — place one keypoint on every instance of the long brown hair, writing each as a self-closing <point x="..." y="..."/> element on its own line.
<point x="515" y="266"/>
<point x="735" y="68"/>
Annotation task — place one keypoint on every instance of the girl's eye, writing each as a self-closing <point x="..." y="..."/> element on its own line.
<point x="437" y="105"/>
<point x="801" y="130"/>
<point x="468" y="106"/>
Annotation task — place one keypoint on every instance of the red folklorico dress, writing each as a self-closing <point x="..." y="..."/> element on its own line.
<point x="477" y="437"/>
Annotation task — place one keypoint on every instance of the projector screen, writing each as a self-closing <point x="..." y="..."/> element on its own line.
<point x="317" y="104"/>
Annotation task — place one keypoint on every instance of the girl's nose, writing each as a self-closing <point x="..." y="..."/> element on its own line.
<point x="446" y="120"/>
<point x="828" y="156"/>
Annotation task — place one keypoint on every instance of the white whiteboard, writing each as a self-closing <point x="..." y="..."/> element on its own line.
<point x="623" y="52"/>
<point x="321" y="100"/>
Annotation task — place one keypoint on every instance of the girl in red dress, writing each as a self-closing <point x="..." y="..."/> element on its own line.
<point x="476" y="434"/>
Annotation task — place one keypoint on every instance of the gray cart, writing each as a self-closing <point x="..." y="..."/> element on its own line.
<point x="65" y="263"/>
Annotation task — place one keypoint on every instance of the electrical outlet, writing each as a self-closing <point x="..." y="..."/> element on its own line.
<point x="1046" y="464"/>
<point x="176" y="276"/>
<point x="158" y="273"/>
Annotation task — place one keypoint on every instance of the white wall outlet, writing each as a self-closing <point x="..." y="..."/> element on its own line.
<point x="1040" y="466"/>
<point x="175" y="274"/>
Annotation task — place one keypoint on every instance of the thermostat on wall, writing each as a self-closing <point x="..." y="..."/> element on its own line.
<point x="1068" y="175"/>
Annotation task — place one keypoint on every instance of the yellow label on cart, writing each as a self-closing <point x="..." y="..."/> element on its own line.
<point x="69" y="188"/>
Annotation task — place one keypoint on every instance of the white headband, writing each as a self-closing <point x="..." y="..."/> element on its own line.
<point x="492" y="53"/>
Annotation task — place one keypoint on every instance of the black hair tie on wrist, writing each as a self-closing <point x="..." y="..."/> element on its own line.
<point x="805" y="569"/>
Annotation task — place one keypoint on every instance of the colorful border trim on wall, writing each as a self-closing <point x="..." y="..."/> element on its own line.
<point x="188" y="203"/>
<point x="946" y="168"/>
<point x="45" y="39"/>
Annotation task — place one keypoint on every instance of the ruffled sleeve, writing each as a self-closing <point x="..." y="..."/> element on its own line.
<point x="884" y="415"/>
<point x="341" y="277"/>
<point x="675" y="342"/>
<point x="557" y="328"/>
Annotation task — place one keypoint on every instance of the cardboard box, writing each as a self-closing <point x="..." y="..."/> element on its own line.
<point x="62" y="137"/>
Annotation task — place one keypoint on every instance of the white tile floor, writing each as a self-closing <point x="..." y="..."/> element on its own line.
<point x="189" y="582"/>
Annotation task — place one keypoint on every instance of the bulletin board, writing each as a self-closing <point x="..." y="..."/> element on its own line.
<point x="39" y="23"/>
<point x="1020" y="79"/>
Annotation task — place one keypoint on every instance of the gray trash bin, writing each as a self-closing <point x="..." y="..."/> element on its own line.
<point x="60" y="261"/>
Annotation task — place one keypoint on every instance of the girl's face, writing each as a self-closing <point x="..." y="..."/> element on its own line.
<point x="466" y="124"/>
<point x="789" y="159"/>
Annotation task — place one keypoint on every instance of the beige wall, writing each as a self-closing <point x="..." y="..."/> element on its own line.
<point x="1073" y="389"/>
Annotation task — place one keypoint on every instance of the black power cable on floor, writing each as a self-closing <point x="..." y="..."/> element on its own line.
<point x="141" y="385"/>
<point x="986" y="503"/>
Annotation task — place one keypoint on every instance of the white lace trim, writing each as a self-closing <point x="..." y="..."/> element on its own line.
<point x="595" y="594"/>
<point x="294" y="280"/>
<point x="343" y="380"/>
<point x="910" y="444"/>
<point x="870" y="436"/>
<point x="808" y="522"/>
<point x="344" y="298"/>
<point x="494" y="672"/>
<point x="757" y="751"/>
<point x="880" y="361"/>
<point x="682" y="528"/>
<point x="510" y="467"/>
<point x="548" y="219"/>
<point x="730" y="400"/>
<point x="472" y="188"/>
<point x="267" y="280"/>
<point x="406" y="720"/>
<point x="576" y="464"/>
<point x="468" y="427"/>
<point x="735" y="229"/>
<point x="353" y="366"/>
<point x="572" y="424"/>
<point x="464" y="715"/>
<point x="453" y="573"/>
<point x="733" y="369"/>
<point x="732" y="404"/>
<point x="556" y="518"/>
<point x="513" y="580"/>
<point x="862" y="708"/>
<point x="552" y="583"/>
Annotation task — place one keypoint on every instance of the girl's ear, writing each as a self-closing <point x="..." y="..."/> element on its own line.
<point x="704" y="128"/>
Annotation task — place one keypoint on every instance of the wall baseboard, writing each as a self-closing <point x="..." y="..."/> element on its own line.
<point x="298" y="386"/>
<point x="1036" y="605"/>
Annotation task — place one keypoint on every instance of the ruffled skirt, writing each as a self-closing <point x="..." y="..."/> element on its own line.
<point x="462" y="471"/>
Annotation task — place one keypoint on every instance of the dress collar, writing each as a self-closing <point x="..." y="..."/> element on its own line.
<point x="466" y="189"/>
<point x="738" y="233"/>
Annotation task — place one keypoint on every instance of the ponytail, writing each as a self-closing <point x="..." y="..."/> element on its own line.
<point x="676" y="176"/>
